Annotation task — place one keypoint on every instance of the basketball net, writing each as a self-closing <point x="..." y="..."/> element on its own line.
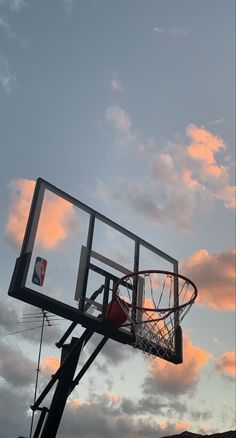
<point x="166" y="299"/>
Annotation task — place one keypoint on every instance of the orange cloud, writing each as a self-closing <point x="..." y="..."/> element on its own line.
<point x="119" y="118"/>
<point x="174" y="428"/>
<point x="228" y="195"/>
<point x="50" y="365"/>
<point x="163" y="425"/>
<point x="206" y="173"/>
<point x="214" y="275"/>
<point x="183" y="425"/>
<point x="189" y="181"/>
<point x="203" y="147"/>
<point x="57" y="220"/>
<point x="111" y="396"/>
<point x="75" y="403"/>
<point x="181" y="378"/>
<point x="21" y="195"/>
<point x="227" y="364"/>
<point x="57" y="216"/>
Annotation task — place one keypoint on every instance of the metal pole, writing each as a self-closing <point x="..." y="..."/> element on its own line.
<point x="37" y="372"/>
<point x="40" y="422"/>
<point x="88" y="363"/>
<point x="79" y="341"/>
<point x="62" y="390"/>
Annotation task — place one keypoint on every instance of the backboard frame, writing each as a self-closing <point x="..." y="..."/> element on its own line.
<point x="19" y="290"/>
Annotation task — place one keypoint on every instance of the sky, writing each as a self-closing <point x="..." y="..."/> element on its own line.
<point x="130" y="107"/>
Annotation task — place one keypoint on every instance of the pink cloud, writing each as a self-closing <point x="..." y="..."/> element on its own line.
<point x="203" y="148"/>
<point x="21" y="196"/>
<point x="116" y="84"/>
<point x="57" y="221"/>
<point x="228" y="195"/>
<point x="182" y="425"/>
<point x="57" y="217"/>
<point x="119" y="118"/>
<point x="111" y="396"/>
<point x="214" y="275"/>
<point x="178" y="179"/>
<point x="189" y="181"/>
<point x="174" y="428"/>
<point x="50" y="365"/>
<point x="177" y="378"/>
<point x="227" y="364"/>
<point x="76" y="403"/>
<point x="205" y="172"/>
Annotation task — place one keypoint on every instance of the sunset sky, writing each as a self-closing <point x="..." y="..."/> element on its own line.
<point x="130" y="107"/>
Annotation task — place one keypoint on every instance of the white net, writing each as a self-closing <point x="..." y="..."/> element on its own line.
<point x="155" y="303"/>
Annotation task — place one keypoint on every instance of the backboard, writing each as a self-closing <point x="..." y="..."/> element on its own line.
<point x="71" y="258"/>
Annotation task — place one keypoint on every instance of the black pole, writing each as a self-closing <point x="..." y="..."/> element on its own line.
<point x="40" y="422"/>
<point x="62" y="390"/>
<point x="88" y="363"/>
<point x="74" y="324"/>
<point x="79" y="341"/>
<point x="70" y="329"/>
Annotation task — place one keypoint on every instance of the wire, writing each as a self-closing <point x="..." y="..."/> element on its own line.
<point x="33" y="320"/>
<point x="22" y="331"/>
<point x="29" y="329"/>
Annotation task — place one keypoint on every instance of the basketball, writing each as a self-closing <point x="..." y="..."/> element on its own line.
<point x="115" y="314"/>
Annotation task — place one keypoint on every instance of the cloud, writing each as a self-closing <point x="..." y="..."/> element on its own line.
<point x="171" y="31"/>
<point x="108" y="418"/>
<point x="174" y="379"/>
<point x="226" y="364"/>
<point x="114" y="355"/>
<point x="127" y="138"/>
<point x="193" y="171"/>
<point x="7" y="79"/>
<point x="146" y="405"/>
<point x="13" y="5"/>
<point x="203" y="415"/>
<point x="8" y="317"/>
<point x="116" y="84"/>
<point x="217" y="121"/>
<point x="50" y="365"/>
<point x="57" y="219"/>
<point x="21" y="196"/>
<point x="4" y="24"/>
<point x="119" y="118"/>
<point x="18" y="372"/>
<point x="68" y="4"/>
<point x="26" y="322"/>
<point x="214" y="275"/>
<point x="182" y="425"/>
<point x="203" y="148"/>
<point x="204" y="168"/>
<point x="178" y="181"/>
<point x="154" y="202"/>
<point x="142" y="201"/>
<point x="14" y="417"/>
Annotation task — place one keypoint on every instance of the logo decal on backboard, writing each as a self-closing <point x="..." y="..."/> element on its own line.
<point x="39" y="271"/>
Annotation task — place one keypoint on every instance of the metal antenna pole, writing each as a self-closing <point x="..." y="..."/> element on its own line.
<point x="37" y="371"/>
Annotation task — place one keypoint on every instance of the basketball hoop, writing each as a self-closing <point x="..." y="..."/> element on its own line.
<point x="155" y="314"/>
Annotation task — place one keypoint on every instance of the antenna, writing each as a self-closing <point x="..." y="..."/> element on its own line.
<point x="37" y="369"/>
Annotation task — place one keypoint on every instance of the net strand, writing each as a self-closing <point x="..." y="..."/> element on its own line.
<point x="154" y="329"/>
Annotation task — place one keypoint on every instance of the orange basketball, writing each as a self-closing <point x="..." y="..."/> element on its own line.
<point x="115" y="314"/>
